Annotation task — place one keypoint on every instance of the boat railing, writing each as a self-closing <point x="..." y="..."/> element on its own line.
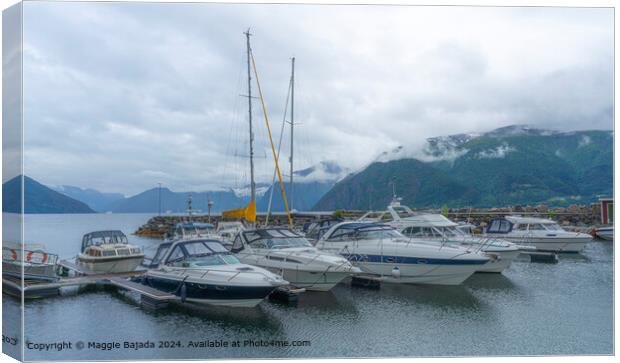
<point x="234" y="273"/>
<point x="33" y="257"/>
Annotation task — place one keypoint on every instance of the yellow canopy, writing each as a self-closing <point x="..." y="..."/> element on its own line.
<point x="248" y="213"/>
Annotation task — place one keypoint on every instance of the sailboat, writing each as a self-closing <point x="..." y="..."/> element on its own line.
<point x="248" y="213"/>
<point x="277" y="249"/>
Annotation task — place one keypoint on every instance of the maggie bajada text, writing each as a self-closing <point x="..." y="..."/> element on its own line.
<point x="121" y="345"/>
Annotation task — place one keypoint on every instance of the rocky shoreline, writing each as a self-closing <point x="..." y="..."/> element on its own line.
<point x="577" y="217"/>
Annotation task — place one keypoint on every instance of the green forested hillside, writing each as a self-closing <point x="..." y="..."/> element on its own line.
<point x="492" y="169"/>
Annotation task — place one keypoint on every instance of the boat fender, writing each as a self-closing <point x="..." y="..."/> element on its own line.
<point x="44" y="258"/>
<point x="183" y="292"/>
<point x="396" y="272"/>
<point x="14" y="255"/>
<point x="29" y="256"/>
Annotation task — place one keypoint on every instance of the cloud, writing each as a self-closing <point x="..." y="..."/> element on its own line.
<point x="496" y="153"/>
<point x="121" y="96"/>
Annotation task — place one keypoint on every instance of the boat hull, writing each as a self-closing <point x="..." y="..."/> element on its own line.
<point x="570" y="245"/>
<point x="434" y="274"/>
<point x="117" y="265"/>
<point x="211" y="294"/>
<point x="313" y="281"/>
<point x="497" y="265"/>
<point x="607" y="234"/>
<point x="30" y="272"/>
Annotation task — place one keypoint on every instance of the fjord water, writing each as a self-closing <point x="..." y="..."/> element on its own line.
<point x="532" y="309"/>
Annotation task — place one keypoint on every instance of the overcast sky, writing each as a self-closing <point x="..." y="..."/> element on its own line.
<point x="121" y="96"/>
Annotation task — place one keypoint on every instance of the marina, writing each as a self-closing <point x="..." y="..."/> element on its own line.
<point x="531" y="308"/>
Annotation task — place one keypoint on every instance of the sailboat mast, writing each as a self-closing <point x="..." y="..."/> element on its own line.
<point x="292" y="125"/>
<point x="252" y="184"/>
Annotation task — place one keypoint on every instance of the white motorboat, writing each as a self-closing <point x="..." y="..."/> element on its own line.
<point x="204" y="272"/>
<point x="381" y="250"/>
<point x="29" y="260"/>
<point x="436" y="227"/>
<point x="289" y="254"/>
<point x="108" y="252"/>
<point x="605" y="232"/>
<point x="544" y="234"/>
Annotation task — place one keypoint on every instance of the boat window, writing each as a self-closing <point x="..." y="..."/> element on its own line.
<point x="135" y="250"/>
<point x="122" y="251"/>
<point x="413" y="232"/>
<point x="450" y="232"/>
<point x="521" y="227"/>
<point x="536" y="227"/>
<point x="374" y="233"/>
<point x="499" y="226"/>
<point x="161" y="251"/>
<point x="237" y="244"/>
<point x="216" y="247"/>
<point x="259" y="244"/>
<point x="109" y="253"/>
<point x="341" y="234"/>
<point x="552" y="227"/>
<point x="196" y="248"/>
<point x="176" y="255"/>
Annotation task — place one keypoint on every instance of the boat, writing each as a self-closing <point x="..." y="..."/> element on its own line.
<point x="193" y="230"/>
<point x="28" y="260"/>
<point x="228" y="230"/>
<point x="436" y="227"/>
<point x="604" y="232"/>
<point x="544" y="234"/>
<point x="289" y="254"/>
<point x="379" y="249"/>
<point x="205" y="272"/>
<point x="108" y="252"/>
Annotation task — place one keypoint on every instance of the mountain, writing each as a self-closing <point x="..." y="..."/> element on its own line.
<point x="98" y="201"/>
<point x="38" y="198"/>
<point x="512" y="165"/>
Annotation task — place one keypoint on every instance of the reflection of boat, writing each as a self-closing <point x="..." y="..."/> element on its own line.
<point x="544" y="234"/>
<point x="108" y="252"/>
<point x="436" y="227"/>
<point x="381" y="250"/>
<point x="37" y="264"/>
<point x="290" y="254"/>
<point x="606" y="233"/>
<point x="204" y="272"/>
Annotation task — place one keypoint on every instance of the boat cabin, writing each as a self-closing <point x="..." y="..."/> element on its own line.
<point x="107" y="244"/>
<point x="193" y="229"/>
<point x="521" y="224"/>
<point x="269" y="238"/>
<point x="193" y="253"/>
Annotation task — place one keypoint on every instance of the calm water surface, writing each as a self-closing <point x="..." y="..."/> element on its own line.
<point x="532" y="309"/>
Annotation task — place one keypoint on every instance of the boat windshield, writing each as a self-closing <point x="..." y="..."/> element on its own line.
<point x="552" y="227"/>
<point x="212" y="260"/>
<point x="279" y="243"/>
<point x="365" y="232"/>
<point x="452" y="232"/>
